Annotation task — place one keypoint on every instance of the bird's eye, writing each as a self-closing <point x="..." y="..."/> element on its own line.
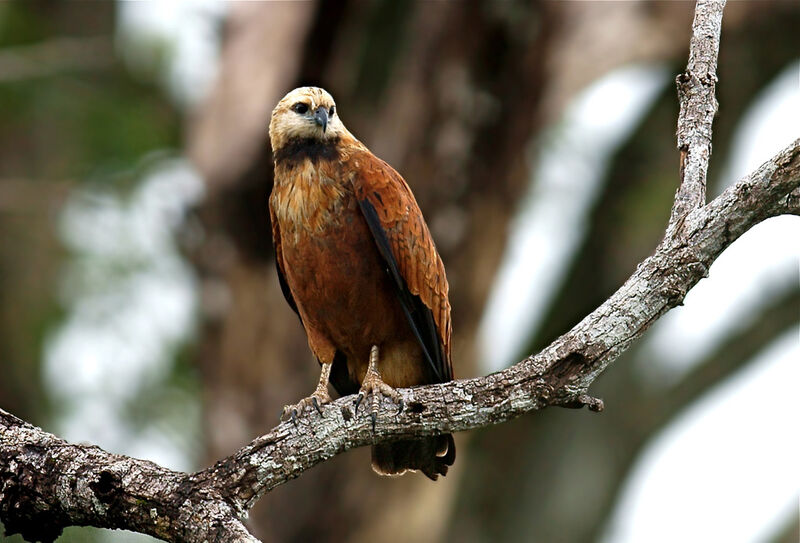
<point x="300" y="107"/>
<point x="332" y="111"/>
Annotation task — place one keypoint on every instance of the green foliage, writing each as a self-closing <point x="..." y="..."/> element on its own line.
<point x="76" y="126"/>
<point x="21" y="24"/>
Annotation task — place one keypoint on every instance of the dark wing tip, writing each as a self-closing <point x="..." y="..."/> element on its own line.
<point x="419" y="316"/>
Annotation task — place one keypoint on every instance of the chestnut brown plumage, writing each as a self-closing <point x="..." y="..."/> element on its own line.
<point x="357" y="263"/>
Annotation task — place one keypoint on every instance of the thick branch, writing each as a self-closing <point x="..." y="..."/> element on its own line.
<point x="46" y="483"/>
<point x="698" y="105"/>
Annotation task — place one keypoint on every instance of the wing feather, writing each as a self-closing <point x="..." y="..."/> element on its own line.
<point x="412" y="261"/>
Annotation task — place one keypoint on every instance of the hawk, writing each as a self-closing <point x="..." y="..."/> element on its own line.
<point x="358" y="265"/>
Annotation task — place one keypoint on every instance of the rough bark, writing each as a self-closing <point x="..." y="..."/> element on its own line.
<point x="46" y="484"/>
<point x="698" y="105"/>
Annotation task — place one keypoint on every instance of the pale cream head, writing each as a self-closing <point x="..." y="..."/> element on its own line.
<point x="305" y="113"/>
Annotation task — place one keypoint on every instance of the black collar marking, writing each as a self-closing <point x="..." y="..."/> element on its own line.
<point x="298" y="149"/>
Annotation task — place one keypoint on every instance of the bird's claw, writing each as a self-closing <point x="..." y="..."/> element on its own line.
<point x="316" y="400"/>
<point x="374" y="387"/>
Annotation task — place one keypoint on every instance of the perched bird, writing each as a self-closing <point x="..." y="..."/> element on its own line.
<point x="357" y="263"/>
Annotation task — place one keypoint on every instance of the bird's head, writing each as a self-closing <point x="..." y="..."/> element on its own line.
<point x="305" y="113"/>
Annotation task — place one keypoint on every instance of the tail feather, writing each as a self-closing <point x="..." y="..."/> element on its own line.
<point x="431" y="455"/>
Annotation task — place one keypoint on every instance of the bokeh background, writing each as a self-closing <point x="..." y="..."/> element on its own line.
<point x="140" y="309"/>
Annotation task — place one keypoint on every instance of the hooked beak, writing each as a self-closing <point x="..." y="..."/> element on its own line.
<point x="321" y="116"/>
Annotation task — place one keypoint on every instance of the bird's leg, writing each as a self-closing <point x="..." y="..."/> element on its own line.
<point x="319" y="397"/>
<point x="373" y="385"/>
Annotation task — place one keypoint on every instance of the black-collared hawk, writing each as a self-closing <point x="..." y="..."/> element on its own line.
<point x="357" y="263"/>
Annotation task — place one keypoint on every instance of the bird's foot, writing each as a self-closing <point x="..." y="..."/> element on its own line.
<point x="319" y="398"/>
<point x="374" y="387"/>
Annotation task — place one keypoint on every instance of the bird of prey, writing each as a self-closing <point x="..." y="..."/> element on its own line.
<point x="358" y="265"/>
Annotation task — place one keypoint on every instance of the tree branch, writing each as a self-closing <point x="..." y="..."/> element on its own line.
<point x="558" y="376"/>
<point x="47" y="484"/>
<point x="698" y="105"/>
